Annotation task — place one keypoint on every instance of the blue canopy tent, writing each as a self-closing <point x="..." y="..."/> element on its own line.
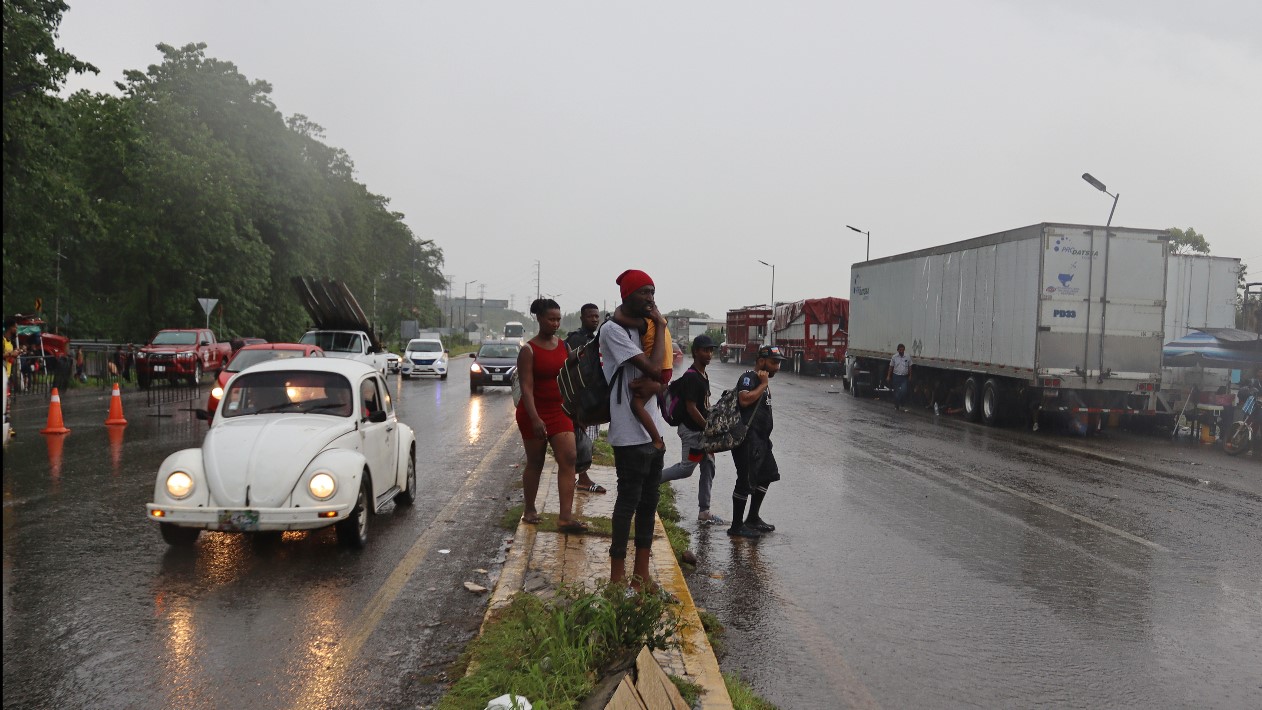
<point x="1226" y="348"/>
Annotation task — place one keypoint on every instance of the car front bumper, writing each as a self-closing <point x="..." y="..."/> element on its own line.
<point x="433" y="368"/>
<point x="247" y="519"/>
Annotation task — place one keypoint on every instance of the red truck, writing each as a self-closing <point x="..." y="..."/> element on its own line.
<point x="180" y="354"/>
<point x="812" y="335"/>
<point x="746" y="331"/>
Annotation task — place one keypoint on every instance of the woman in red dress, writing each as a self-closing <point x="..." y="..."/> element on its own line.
<point x="540" y="418"/>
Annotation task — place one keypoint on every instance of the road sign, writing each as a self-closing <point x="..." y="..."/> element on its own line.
<point x="208" y="305"/>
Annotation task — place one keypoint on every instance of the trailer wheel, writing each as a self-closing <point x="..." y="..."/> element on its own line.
<point x="972" y="400"/>
<point x="991" y="403"/>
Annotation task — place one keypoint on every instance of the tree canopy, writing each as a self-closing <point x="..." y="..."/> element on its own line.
<point x="1187" y="241"/>
<point x="123" y="210"/>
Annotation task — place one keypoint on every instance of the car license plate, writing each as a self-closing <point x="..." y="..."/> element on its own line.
<point x="159" y="368"/>
<point x="238" y="520"/>
<point x="497" y="378"/>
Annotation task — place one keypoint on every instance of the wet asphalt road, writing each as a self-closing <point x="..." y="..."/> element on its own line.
<point x="920" y="561"/>
<point x="923" y="561"/>
<point x="99" y="612"/>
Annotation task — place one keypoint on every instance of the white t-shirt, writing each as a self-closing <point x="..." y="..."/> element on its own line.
<point x="901" y="364"/>
<point x="617" y="346"/>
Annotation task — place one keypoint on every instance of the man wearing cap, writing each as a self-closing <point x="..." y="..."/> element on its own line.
<point x="898" y="374"/>
<point x="638" y="463"/>
<point x="693" y="390"/>
<point x="755" y="463"/>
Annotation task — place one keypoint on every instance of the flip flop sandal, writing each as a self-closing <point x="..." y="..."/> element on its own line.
<point x="593" y="488"/>
<point x="576" y="528"/>
<point x="530" y="519"/>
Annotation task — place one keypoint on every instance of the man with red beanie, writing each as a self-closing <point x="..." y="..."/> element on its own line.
<point x="638" y="463"/>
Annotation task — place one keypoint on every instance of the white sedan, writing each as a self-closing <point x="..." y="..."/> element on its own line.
<point x="294" y="445"/>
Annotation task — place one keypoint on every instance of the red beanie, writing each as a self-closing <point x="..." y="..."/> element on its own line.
<point x="632" y="280"/>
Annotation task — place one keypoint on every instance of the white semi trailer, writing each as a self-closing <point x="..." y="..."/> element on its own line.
<point x="1200" y="293"/>
<point x="1059" y="317"/>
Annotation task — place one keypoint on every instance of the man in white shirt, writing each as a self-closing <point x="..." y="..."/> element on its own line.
<point x="637" y="461"/>
<point x="899" y="376"/>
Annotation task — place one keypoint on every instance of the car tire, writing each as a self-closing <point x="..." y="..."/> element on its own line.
<point x="196" y="378"/>
<point x="992" y="403"/>
<point x="442" y="376"/>
<point x="408" y="495"/>
<point x="177" y="536"/>
<point x="972" y="400"/>
<point x="407" y="376"/>
<point x="353" y="532"/>
<point x="474" y="389"/>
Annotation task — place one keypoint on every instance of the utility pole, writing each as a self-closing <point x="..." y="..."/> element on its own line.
<point x="538" y="274"/>
<point x="481" y="301"/>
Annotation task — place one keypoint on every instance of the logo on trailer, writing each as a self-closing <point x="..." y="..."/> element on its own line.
<point x="1058" y="313"/>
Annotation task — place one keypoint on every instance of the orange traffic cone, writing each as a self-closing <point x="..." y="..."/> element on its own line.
<point x="55" y="445"/>
<point x="116" y="446"/>
<point x="116" y="408"/>
<point x="55" y="424"/>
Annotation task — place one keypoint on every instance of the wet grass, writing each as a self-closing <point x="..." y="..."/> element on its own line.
<point x="743" y="697"/>
<point x="555" y="651"/>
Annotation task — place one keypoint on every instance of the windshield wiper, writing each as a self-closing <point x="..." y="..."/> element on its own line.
<point x="273" y="408"/>
<point x="318" y="407"/>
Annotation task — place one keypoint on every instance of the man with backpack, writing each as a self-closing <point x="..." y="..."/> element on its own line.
<point x="584" y="436"/>
<point x="627" y="369"/>
<point x="688" y="403"/>
<point x="756" y="467"/>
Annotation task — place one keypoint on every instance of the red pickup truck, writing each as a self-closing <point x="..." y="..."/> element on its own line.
<point x="180" y="354"/>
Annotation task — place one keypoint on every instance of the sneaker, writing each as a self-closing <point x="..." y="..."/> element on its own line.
<point x="705" y="517"/>
<point x="760" y="525"/>
<point x="743" y="531"/>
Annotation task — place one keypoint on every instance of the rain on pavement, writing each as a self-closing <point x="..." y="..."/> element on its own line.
<point x="919" y="561"/>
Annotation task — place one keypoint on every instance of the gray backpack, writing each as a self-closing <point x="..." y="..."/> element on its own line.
<point x="725" y="428"/>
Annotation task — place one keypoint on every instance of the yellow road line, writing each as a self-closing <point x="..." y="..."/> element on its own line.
<point x="326" y="681"/>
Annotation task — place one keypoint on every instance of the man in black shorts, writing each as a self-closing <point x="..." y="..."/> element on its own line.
<point x="755" y="463"/>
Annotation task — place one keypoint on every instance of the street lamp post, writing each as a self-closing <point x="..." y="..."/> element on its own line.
<point x="867" y="255"/>
<point x="770" y="338"/>
<point x="464" y="307"/>
<point x="1104" y="293"/>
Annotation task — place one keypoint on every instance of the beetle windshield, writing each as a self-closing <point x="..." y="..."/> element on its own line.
<point x="288" y="391"/>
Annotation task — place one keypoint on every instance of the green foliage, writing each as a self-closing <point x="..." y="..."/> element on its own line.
<point x="1187" y="241"/>
<point x="555" y="651"/>
<point x="191" y="184"/>
<point x="687" y="313"/>
<point x="743" y="697"/>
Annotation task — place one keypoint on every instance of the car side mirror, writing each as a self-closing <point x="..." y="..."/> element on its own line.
<point x="473" y="356"/>
<point x="378" y="416"/>
<point x="202" y="414"/>
<point x="446" y="351"/>
<point x="205" y="343"/>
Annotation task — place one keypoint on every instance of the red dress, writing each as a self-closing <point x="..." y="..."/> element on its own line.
<point x="547" y="365"/>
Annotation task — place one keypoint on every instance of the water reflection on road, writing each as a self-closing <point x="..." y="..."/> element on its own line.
<point x="926" y="562"/>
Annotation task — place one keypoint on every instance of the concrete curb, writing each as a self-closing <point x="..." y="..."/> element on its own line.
<point x="541" y="561"/>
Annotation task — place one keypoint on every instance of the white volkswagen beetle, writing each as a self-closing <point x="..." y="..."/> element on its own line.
<point x="294" y="445"/>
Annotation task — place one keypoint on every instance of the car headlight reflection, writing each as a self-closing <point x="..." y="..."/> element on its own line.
<point x="322" y="486"/>
<point x="179" y="485"/>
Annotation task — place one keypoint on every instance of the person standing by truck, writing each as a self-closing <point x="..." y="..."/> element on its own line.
<point x="898" y="374"/>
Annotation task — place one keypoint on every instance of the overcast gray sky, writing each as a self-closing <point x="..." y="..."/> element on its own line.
<point x="692" y="139"/>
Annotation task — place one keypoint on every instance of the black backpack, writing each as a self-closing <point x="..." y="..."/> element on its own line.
<point x="674" y="408"/>
<point x="584" y="391"/>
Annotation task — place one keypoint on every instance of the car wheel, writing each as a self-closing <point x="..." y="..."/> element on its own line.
<point x="408" y="495"/>
<point x="442" y="376"/>
<point x="474" y="389"/>
<point x="196" y="378"/>
<point x="353" y="532"/>
<point x="177" y="536"/>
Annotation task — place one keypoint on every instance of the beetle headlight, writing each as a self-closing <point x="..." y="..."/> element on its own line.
<point x="179" y="485"/>
<point x="322" y="486"/>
